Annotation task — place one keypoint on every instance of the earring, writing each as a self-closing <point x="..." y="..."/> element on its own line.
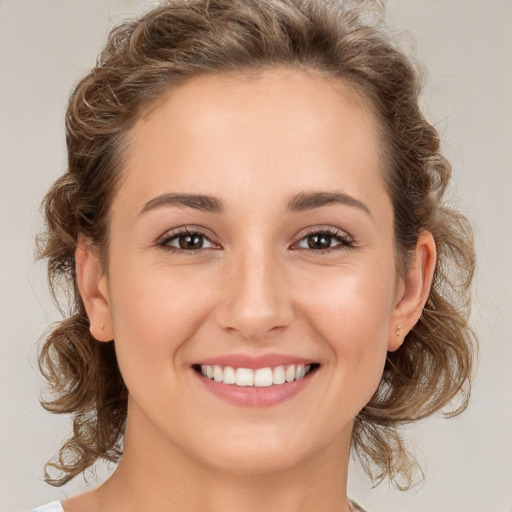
<point x="397" y="331"/>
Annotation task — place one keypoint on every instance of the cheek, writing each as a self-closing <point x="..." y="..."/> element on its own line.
<point x="354" y="303"/>
<point x="154" y="314"/>
<point x="352" y="316"/>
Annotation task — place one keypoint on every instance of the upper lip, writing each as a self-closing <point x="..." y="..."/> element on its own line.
<point x="254" y="362"/>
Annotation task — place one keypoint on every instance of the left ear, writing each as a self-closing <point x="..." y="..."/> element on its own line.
<point x="413" y="290"/>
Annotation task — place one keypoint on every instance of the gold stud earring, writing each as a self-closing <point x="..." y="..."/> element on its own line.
<point x="397" y="331"/>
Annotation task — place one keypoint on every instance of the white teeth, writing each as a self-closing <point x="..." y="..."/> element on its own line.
<point x="229" y="375"/>
<point x="290" y="374"/>
<point x="244" y="377"/>
<point x="262" y="377"/>
<point x="278" y="376"/>
<point x="218" y="374"/>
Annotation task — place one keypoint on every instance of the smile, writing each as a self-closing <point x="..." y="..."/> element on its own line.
<point x="260" y="377"/>
<point x="261" y="381"/>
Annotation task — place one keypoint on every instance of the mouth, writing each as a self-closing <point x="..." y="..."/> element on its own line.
<point x="269" y="376"/>
<point x="255" y="381"/>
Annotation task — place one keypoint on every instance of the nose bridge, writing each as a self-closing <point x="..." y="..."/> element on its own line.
<point x="258" y="303"/>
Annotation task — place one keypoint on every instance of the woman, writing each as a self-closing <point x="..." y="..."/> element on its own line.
<point x="253" y="229"/>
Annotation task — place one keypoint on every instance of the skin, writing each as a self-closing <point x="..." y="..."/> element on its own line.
<point x="256" y="287"/>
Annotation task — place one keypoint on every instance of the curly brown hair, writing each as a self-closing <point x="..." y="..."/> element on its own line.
<point x="182" y="39"/>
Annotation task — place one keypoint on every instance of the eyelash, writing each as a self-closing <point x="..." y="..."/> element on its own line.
<point x="344" y="240"/>
<point x="163" y="242"/>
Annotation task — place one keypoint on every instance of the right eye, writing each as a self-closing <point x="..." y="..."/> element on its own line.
<point x="186" y="241"/>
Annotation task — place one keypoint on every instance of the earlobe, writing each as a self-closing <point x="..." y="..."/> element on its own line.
<point x="413" y="291"/>
<point x="93" y="287"/>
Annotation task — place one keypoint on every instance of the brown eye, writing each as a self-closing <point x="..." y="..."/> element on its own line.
<point x="325" y="241"/>
<point x="186" y="241"/>
<point x="191" y="241"/>
<point x="319" y="241"/>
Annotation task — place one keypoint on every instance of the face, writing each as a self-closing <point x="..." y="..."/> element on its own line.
<point x="252" y="233"/>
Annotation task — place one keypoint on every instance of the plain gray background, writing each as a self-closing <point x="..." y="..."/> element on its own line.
<point x="46" y="45"/>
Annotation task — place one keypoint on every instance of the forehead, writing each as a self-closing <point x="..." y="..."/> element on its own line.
<point x="281" y="125"/>
<point x="282" y="94"/>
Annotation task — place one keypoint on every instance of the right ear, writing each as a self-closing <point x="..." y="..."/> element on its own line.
<point x="92" y="284"/>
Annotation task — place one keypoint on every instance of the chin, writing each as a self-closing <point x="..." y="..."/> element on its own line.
<point x="260" y="461"/>
<point x="261" y="453"/>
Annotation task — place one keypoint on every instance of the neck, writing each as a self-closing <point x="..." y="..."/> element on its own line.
<point x="157" y="475"/>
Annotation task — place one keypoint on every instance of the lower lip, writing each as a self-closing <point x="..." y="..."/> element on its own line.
<point x="251" y="396"/>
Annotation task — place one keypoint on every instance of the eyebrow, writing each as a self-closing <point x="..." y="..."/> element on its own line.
<point x="209" y="204"/>
<point x="202" y="203"/>
<point x="311" y="200"/>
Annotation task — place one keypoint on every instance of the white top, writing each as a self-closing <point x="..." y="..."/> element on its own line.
<point x="54" y="506"/>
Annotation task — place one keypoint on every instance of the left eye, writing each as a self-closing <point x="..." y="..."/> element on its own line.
<point x="324" y="240"/>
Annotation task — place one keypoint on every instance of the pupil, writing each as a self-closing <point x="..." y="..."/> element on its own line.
<point x="192" y="241"/>
<point x="319" y="242"/>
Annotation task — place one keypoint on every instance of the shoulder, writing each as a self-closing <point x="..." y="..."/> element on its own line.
<point x="356" y="507"/>
<point x="54" y="506"/>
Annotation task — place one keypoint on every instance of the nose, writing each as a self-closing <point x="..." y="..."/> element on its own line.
<point x="257" y="303"/>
